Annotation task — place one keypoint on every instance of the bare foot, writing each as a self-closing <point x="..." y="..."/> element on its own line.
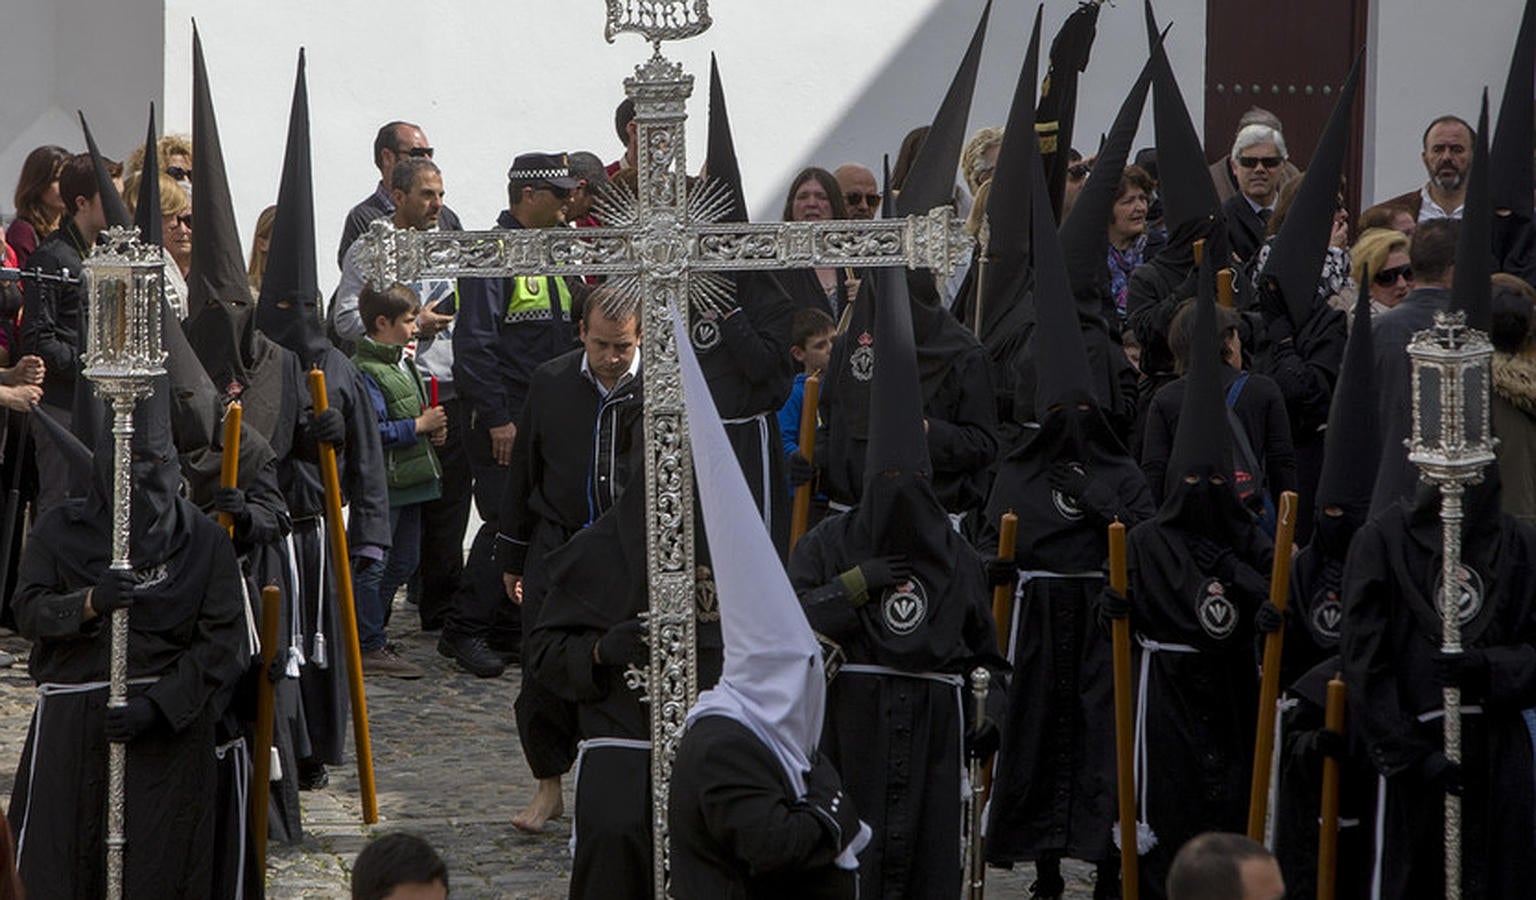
<point x="546" y="804"/>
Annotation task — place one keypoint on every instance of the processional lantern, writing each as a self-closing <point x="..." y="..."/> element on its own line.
<point x="1452" y="444"/>
<point x="123" y="356"/>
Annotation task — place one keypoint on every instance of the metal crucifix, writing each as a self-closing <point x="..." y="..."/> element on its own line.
<point x="666" y="246"/>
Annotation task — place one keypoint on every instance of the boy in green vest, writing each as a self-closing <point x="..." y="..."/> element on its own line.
<point x="408" y="427"/>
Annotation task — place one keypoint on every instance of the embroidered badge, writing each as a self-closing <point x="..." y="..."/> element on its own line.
<point x="1327" y="613"/>
<point x="533" y="286"/>
<point x="904" y="607"/>
<point x="1067" y="506"/>
<point x="705" y="597"/>
<point x="1469" y="599"/>
<point x="861" y="362"/>
<point x="706" y="331"/>
<point x="1216" y="613"/>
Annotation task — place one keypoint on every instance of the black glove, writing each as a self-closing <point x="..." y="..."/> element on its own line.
<point x="1245" y="578"/>
<point x="801" y="470"/>
<point x="824" y="793"/>
<point x="1211" y="557"/>
<point x="982" y="740"/>
<point x="873" y="575"/>
<point x="1001" y="571"/>
<point x="114" y="591"/>
<point x="328" y="427"/>
<point x="1112" y="605"/>
<point x="1268" y="619"/>
<point x="1329" y="743"/>
<point x="1440" y="774"/>
<point x="1467" y="670"/>
<point x="1069" y="479"/>
<point x="231" y="500"/>
<point x="624" y="645"/>
<point x="126" y="723"/>
<point x="1277" y="317"/>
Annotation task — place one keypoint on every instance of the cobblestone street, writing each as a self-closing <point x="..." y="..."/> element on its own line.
<point x="448" y="767"/>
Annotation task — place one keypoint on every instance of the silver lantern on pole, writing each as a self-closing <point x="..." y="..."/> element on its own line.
<point x="1451" y="443"/>
<point x="123" y="356"/>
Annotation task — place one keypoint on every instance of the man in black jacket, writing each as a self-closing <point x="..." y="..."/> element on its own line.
<point x="394" y="142"/>
<point x="53" y="315"/>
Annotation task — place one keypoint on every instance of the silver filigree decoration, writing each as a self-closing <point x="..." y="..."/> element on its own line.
<point x="657" y="20"/>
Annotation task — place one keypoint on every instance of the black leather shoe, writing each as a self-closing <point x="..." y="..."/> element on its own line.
<point x="473" y="654"/>
<point x="312" y="775"/>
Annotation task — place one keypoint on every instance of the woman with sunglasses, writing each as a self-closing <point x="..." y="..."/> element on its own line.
<point x="38" y="203"/>
<point x="1381" y="267"/>
<point x="176" y="234"/>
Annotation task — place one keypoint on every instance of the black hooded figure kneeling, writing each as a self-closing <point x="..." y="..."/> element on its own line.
<point x="909" y="602"/>
<point x="186" y="646"/>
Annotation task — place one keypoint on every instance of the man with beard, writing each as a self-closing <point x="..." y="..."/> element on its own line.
<point x="186" y="646"/>
<point x="1197" y="594"/>
<point x="907" y="599"/>
<point x="1053" y="793"/>
<point x="1447" y="158"/>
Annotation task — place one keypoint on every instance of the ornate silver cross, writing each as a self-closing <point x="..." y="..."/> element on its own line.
<point x="665" y="244"/>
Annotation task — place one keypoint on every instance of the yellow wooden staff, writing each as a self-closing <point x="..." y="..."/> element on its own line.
<point x="1269" y="683"/>
<point x="1119" y="579"/>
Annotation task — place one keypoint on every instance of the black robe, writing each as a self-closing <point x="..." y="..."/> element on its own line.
<point x="1201" y="706"/>
<point x="896" y="739"/>
<point x="1392" y="629"/>
<point x="1053" y="789"/>
<point x="736" y="828"/>
<point x="186" y="630"/>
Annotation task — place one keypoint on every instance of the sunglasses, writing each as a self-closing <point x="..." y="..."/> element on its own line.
<point x="184" y="220"/>
<point x="1268" y="162"/>
<point x="177" y="173"/>
<point x="1388" y="277"/>
<point x="855" y="198"/>
<point x="559" y="192"/>
<point x="418" y="152"/>
<point x="1078" y="171"/>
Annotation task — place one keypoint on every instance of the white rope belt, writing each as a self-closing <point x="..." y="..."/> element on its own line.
<point x="1145" y="838"/>
<point x="242" y="795"/>
<point x="581" y="754"/>
<point x="1025" y="577"/>
<point x="762" y="441"/>
<point x="955" y="682"/>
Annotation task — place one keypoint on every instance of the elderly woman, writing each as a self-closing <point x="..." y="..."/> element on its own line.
<point x="176" y="234"/>
<point x="979" y="158"/>
<point x="815" y="197"/>
<point x="1381" y="255"/>
<point x="1128" y="234"/>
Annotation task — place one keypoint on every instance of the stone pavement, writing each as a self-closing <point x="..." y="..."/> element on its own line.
<point x="447" y="766"/>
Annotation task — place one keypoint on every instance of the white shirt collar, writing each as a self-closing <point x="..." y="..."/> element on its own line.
<point x="586" y="370"/>
<point x="1429" y="209"/>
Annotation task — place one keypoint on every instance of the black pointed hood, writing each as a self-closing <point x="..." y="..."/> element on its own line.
<point x="1471" y="290"/>
<point x="196" y="412"/>
<point x="1058" y="105"/>
<point x="291" y="278"/>
<point x="1184" y="179"/>
<point x="1352" y="442"/>
<point x="1062" y="376"/>
<point x="112" y="205"/>
<point x="218" y="263"/>
<point x="158" y="525"/>
<point x="931" y="180"/>
<point x="720" y="155"/>
<point x="1008" y="198"/>
<point x="1297" y="254"/>
<point x="1085" y="233"/>
<point x="75" y="453"/>
<point x="146" y="209"/>
<point x="1510" y="177"/>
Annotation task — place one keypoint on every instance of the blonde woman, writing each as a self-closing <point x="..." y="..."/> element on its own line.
<point x="260" y="241"/>
<point x="176" y="234"/>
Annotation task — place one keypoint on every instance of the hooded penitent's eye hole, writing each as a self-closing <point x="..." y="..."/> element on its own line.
<point x="1218" y="479"/>
<point x="1191" y="479"/>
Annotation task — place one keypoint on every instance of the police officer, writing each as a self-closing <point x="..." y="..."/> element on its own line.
<point x="506" y="328"/>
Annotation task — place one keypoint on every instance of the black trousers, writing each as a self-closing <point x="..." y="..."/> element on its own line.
<point x="443" y="522"/>
<point x="480" y="605"/>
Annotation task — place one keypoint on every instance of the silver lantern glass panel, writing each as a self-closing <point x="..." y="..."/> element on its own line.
<point x="123" y="356"/>
<point x="1452" y="444"/>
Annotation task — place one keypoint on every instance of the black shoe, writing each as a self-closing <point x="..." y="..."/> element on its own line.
<point x="312" y="775"/>
<point x="510" y="654"/>
<point x="1048" y="881"/>
<point x="473" y="654"/>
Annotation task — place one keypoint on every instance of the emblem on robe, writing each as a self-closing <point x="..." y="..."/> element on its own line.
<point x="1469" y="594"/>
<point x="861" y="362"/>
<point x="705" y="332"/>
<point x="905" y="607"/>
<point x="1216" y="613"/>
<point x="1066" y="506"/>
<point x="1327" y="613"/>
<point x="705" y="597"/>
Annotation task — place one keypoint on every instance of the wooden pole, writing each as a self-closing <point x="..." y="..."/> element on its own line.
<point x="1002" y="595"/>
<point x="1269" y="682"/>
<point x="1224" y="288"/>
<point x="229" y="472"/>
<point x="1328" y="829"/>
<point x="1125" y="763"/>
<point x="342" y="570"/>
<point x="266" y="705"/>
<point x="801" y="513"/>
<point x="1199" y="248"/>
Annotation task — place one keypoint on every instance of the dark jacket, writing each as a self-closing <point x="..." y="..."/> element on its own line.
<point x="1245" y="228"/>
<point x="1390" y="332"/>
<point x="377" y="205"/>
<point x="53" y="313"/>
<point x="1514" y="421"/>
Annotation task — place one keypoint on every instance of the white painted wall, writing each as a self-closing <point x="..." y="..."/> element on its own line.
<point x="809" y="81"/>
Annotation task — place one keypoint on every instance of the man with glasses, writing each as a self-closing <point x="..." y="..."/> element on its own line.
<point x="506" y="328"/>
<point x="394" y="142"/>
<point x="1447" y="159"/>
<point x="860" y="190"/>
<point x="1258" y="153"/>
